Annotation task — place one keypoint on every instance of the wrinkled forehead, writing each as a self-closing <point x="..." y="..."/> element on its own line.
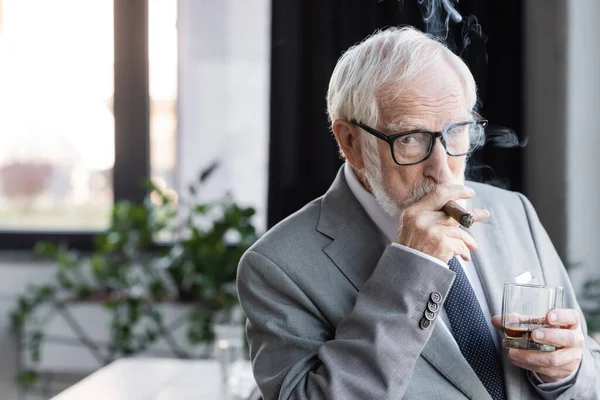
<point x="432" y="103"/>
<point x="432" y="111"/>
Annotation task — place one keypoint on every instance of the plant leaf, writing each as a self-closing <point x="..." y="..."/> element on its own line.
<point x="206" y="173"/>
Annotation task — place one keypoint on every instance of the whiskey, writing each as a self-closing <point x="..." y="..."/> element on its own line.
<point x="517" y="335"/>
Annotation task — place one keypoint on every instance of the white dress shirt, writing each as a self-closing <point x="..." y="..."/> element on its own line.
<point x="389" y="225"/>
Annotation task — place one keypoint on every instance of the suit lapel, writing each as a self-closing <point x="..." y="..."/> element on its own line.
<point x="356" y="251"/>
<point x="357" y="244"/>
<point x="443" y="353"/>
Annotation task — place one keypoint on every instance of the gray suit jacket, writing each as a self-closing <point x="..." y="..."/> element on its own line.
<point x="333" y="312"/>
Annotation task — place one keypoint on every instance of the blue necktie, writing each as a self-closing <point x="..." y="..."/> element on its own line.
<point x="472" y="334"/>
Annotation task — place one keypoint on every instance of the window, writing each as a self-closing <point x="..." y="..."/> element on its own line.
<point x="56" y="123"/>
<point x="84" y="118"/>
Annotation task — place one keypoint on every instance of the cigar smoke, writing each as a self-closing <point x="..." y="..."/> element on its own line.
<point x="437" y="15"/>
<point x="500" y="136"/>
<point x="464" y="36"/>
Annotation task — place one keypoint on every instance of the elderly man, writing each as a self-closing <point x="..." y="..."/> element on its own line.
<point x="372" y="292"/>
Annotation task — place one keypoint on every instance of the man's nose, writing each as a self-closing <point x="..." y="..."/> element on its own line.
<point x="437" y="166"/>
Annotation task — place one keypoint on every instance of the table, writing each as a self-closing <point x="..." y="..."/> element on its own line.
<point x="150" y="379"/>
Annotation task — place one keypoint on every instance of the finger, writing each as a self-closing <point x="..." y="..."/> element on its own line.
<point x="534" y="360"/>
<point x="456" y="232"/>
<point x="460" y="249"/>
<point x="533" y="368"/>
<point x="437" y="217"/>
<point x="443" y="194"/>
<point x="550" y="374"/>
<point x="566" y="317"/>
<point x="479" y="214"/>
<point x="559" y="337"/>
<point x="546" y="371"/>
<point x="497" y="321"/>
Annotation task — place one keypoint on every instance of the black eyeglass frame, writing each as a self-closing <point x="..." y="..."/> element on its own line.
<point x="390" y="139"/>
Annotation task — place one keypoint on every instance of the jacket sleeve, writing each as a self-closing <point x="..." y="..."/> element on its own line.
<point x="297" y="354"/>
<point x="586" y="384"/>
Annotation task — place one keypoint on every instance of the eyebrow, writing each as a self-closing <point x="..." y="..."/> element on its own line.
<point x="417" y="124"/>
<point x="407" y="124"/>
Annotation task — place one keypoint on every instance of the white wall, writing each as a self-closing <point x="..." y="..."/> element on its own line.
<point x="545" y="82"/>
<point x="223" y="103"/>
<point x="583" y="133"/>
<point x="562" y="101"/>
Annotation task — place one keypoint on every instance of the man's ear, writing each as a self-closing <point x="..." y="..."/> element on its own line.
<point x="349" y="138"/>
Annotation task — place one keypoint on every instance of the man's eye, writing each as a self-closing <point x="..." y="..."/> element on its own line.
<point x="409" y="139"/>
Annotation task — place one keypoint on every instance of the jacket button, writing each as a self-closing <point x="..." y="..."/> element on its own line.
<point x="429" y="315"/>
<point x="425" y="323"/>
<point x="433" y="307"/>
<point x="436" y="297"/>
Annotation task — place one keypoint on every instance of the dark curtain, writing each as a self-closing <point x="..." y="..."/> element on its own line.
<point x="307" y="39"/>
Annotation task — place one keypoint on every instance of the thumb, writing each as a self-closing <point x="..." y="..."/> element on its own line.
<point x="497" y="321"/>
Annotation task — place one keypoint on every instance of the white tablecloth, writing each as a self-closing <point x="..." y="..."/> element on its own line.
<point x="150" y="379"/>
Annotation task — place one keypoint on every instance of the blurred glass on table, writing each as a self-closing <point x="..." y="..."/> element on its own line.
<point x="237" y="380"/>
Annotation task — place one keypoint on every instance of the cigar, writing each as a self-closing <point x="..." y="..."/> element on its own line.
<point x="458" y="213"/>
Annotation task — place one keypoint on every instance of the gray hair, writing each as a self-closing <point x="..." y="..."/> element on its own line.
<point x="381" y="68"/>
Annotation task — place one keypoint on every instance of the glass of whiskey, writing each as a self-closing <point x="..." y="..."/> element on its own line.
<point x="524" y="309"/>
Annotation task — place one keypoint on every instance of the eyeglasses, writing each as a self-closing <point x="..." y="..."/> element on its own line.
<point x="415" y="146"/>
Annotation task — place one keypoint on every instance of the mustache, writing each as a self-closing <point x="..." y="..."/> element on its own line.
<point x="422" y="189"/>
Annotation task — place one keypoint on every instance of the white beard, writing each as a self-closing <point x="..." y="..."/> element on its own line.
<point x="374" y="177"/>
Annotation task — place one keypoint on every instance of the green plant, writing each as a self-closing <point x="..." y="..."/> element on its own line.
<point x="591" y="304"/>
<point x="589" y="298"/>
<point x="131" y="275"/>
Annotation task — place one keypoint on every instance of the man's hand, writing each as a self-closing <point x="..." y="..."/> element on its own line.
<point x="569" y="341"/>
<point x="427" y="229"/>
